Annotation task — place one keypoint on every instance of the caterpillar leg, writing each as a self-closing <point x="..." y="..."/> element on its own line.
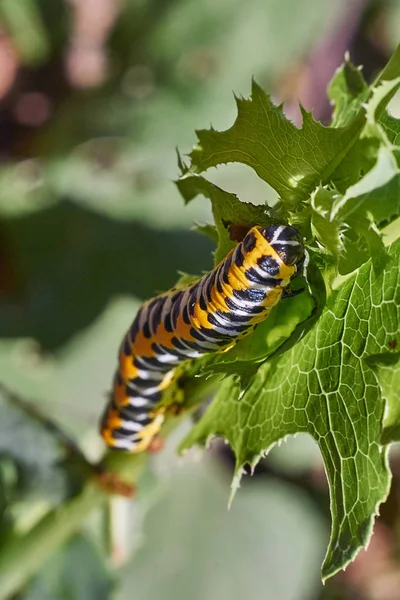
<point x="156" y="445"/>
<point x="289" y="293"/>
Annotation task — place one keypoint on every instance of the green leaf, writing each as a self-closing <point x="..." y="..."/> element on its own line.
<point x="345" y="224"/>
<point x="228" y="211"/>
<point x="208" y="230"/>
<point x="347" y="91"/>
<point x="376" y="107"/>
<point x="368" y="179"/>
<point x="392" y="69"/>
<point x="376" y="192"/>
<point x="325" y="387"/>
<point x="391" y="127"/>
<point x="325" y="229"/>
<point x="386" y="367"/>
<point x="293" y="161"/>
<point x="362" y="240"/>
<point x="359" y="160"/>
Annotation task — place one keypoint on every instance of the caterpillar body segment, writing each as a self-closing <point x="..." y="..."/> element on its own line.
<point x="209" y="315"/>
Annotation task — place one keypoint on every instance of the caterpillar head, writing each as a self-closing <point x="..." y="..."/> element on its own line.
<point x="278" y="250"/>
<point x="287" y="243"/>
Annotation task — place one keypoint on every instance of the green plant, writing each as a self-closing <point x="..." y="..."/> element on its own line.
<point x="326" y="362"/>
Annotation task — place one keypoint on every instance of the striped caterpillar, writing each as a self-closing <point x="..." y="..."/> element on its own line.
<point x="209" y="315"/>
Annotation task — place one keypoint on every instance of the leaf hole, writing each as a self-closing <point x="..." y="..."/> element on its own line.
<point x="241" y="180"/>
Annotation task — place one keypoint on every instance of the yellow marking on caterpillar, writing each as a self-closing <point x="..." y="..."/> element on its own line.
<point x="218" y="301"/>
<point x="167" y="380"/>
<point x="147" y="433"/>
<point x="200" y="318"/>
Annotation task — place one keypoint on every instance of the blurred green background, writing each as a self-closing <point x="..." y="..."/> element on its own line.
<point x="95" y="95"/>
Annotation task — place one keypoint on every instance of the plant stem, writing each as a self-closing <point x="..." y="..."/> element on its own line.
<point x="23" y="554"/>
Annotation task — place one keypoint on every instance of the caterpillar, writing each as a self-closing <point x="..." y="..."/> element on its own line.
<point x="209" y="315"/>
